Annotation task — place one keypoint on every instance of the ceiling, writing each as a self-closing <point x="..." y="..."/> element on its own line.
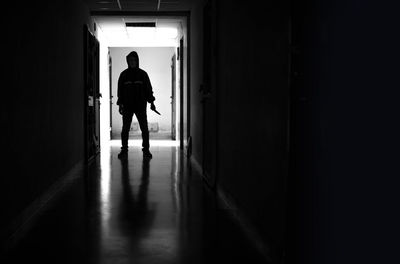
<point x="116" y="34"/>
<point x="139" y="5"/>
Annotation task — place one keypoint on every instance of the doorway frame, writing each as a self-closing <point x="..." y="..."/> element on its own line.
<point x="173" y="95"/>
<point x="184" y="143"/>
<point x="91" y="92"/>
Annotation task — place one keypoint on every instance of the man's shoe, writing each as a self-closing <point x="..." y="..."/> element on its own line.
<point x="123" y="154"/>
<point x="147" y="154"/>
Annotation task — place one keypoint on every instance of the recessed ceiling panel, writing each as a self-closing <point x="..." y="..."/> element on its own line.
<point x="139" y="5"/>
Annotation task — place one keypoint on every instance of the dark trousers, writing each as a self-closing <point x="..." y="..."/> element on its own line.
<point x="141" y="116"/>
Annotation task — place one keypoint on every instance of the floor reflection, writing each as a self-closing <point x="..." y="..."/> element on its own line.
<point x="135" y="211"/>
<point x="138" y="213"/>
<point x="105" y="168"/>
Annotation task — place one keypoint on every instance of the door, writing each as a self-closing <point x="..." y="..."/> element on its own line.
<point x="209" y="94"/>
<point x="91" y="95"/>
<point x="173" y="96"/>
<point x="110" y="86"/>
<point x="181" y="95"/>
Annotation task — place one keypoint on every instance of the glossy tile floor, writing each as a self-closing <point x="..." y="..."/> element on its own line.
<point x="135" y="211"/>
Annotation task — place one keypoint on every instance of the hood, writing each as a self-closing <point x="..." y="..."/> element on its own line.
<point x="133" y="54"/>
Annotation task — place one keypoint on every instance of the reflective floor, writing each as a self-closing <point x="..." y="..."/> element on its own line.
<point x="135" y="211"/>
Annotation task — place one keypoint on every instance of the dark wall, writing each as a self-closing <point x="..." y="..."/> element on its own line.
<point x="345" y="173"/>
<point x="253" y="111"/>
<point x="42" y="98"/>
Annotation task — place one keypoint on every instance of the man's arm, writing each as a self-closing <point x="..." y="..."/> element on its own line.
<point x="120" y="93"/>
<point x="149" y="90"/>
<point x="149" y="94"/>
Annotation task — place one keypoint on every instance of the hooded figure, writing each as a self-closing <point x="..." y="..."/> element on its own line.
<point x="134" y="92"/>
<point x="134" y="87"/>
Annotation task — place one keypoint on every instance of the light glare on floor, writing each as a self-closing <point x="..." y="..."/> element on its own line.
<point x="138" y="143"/>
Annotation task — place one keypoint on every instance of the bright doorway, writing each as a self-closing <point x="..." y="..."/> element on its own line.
<point x="159" y="42"/>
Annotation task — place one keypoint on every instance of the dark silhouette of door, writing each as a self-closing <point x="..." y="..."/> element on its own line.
<point x="173" y="97"/>
<point x="110" y="87"/>
<point x="91" y="95"/>
<point x="209" y="94"/>
<point x="181" y="95"/>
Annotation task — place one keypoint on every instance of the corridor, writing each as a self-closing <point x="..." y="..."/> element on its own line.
<point x="135" y="211"/>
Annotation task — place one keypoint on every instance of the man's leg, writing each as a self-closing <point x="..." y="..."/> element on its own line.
<point x="126" y="126"/>
<point x="142" y="119"/>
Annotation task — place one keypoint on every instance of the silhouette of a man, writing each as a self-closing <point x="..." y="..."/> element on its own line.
<point x="134" y="92"/>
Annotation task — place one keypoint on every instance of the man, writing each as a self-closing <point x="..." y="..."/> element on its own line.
<point x="134" y="92"/>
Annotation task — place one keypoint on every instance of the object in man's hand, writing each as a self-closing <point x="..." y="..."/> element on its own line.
<point x="156" y="111"/>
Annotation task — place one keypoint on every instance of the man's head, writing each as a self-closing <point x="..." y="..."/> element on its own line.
<point x="133" y="60"/>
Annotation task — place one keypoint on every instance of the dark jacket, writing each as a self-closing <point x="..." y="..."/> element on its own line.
<point x="134" y="89"/>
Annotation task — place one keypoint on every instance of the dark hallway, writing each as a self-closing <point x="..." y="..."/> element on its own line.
<point x="286" y="124"/>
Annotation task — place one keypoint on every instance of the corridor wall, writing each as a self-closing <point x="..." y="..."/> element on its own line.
<point x="345" y="135"/>
<point x="252" y="111"/>
<point x="42" y="111"/>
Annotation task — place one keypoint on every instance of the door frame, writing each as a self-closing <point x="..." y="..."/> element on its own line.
<point x="184" y="126"/>
<point x="181" y="95"/>
<point x="173" y="97"/>
<point x="110" y="88"/>
<point x="91" y="95"/>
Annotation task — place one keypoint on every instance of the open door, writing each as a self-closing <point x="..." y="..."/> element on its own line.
<point x="91" y="95"/>
<point x="173" y="97"/>
<point x="209" y="94"/>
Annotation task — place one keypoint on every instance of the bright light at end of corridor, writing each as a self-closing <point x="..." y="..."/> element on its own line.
<point x="168" y="33"/>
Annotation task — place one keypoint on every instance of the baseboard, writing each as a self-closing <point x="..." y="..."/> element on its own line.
<point x="27" y="217"/>
<point x="245" y="224"/>
<point x="196" y="165"/>
<point x="239" y="218"/>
